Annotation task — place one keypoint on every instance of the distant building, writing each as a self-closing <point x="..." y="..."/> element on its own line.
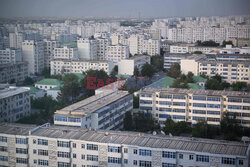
<point x="87" y="49"/>
<point x="13" y="72"/>
<point x="240" y="42"/>
<point x="116" y="53"/>
<point x="49" y="51"/>
<point x="62" y="66"/>
<point x="16" y="40"/>
<point x="10" y="56"/>
<point x="102" y="111"/>
<point x="33" y="53"/>
<point x="65" y="53"/>
<point x="14" y="103"/>
<point x="48" y="83"/>
<point x="127" y="66"/>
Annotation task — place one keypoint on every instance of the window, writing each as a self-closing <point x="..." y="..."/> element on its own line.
<point x="135" y="151"/>
<point x="3" y="149"/>
<point x="92" y="147"/>
<point x="63" y="144"/>
<point x="168" y="165"/>
<point x="83" y="156"/>
<point x="21" y="151"/>
<point x="241" y="162"/>
<point x="135" y="162"/>
<point x="114" y="160"/>
<point x="145" y="163"/>
<point x="4" y="158"/>
<point x="74" y="155"/>
<point x="43" y="162"/>
<point x="42" y="142"/>
<point x="191" y="157"/>
<point x="125" y="150"/>
<point x="74" y="145"/>
<point x="3" y="139"/>
<point x="114" y="149"/>
<point x="228" y="161"/>
<point x="63" y="154"/>
<point x="145" y="152"/>
<point x="22" y="160"/>
<point x="21" y="141"/>
<point x="126" y="161"/>
<point x="92" y="158"/>
<point x="202" y="158"/>
<point x="166" y="154"/>
<point x="180" y="156"/>
<point x="63" y="164"/>
<point x="43" y="152"/>
<point x="83" y="145"/>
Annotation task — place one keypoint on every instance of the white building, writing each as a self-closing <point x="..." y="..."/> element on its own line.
<point x="63" y="66"/>
<point x="14" y="103"/>
<point x="116" y="53"/>
<point x="102" y="48"/>
<point x="16" y="40"/>
<point x="87" y="48"/>
<point x="73" y="147"/>
<point x="10" y="56"/>
<point x="49" y="50"/>
<point x="127" y="66"/>
<point x="102" y="111"/>
<point x="33" y="53"/>
<point x="192" y="105"/>
<point x="65" y="53"/>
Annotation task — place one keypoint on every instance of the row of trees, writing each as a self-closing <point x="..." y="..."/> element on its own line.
<point x="229" y="128"/>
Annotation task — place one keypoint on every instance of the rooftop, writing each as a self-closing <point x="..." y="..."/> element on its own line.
<point x="93" y="103"/>
<point x="198" y="92"/>
<point x="11" y="91"/>
<point x="130" y="138"/>
<point x="48" y="81"/>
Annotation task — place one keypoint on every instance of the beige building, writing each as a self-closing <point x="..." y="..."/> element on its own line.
<point x="55" y="146"/>
<point x="116" y="53"/>
<point x="240" y="42"/>
<point x="192" y="105"/>
<point x="63" y="66"/>
<point x="8" y="56"/>
<point x="65" y="53"/>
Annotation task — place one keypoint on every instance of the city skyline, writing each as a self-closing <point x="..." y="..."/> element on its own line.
<point x="119" y="8"/>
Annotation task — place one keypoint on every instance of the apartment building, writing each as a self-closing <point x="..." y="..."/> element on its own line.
<point x="192" y="105"/>
<point x="65" y="53"/>
<point x="87" y="48"/>
<point x="116" y="53"/>
<point x="13" y="72"/>
<point x="102" y="47"/>
<point x="14" y="103"/>
<point x="232" y="67"/>
<point x="105" y="110"/>
<point x="33" y="53"/>
<point x="47" y="145"/>
<point x="10" y="56"/>
<point x="64" y="66"/>
<point x="139" y="44"/>
<point x="16" y="40"/>
<point x="182" y="49"/>
<point x="240" y="42"/>
<point x="48" y="51"/>
<point x="127" y="66"/>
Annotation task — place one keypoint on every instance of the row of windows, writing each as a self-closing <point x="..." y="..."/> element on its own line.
<point x="114" y="160"/>
<point x="167" y="154"/>
<point x="203" y="105"/>
<point x="4" y="158"/>
<point x="143" y="152"/>
<point x="63" y="154"/>
<point x="92" y="158"/>
<point x="43" y="162"/>
<point x="114" y="149"/>
<point x="3" y="139"/>
<point x="63" y="144"/>
<point x="92" y="147"/>
<point x="21" y="141"/>
<point x="21" y="151"/>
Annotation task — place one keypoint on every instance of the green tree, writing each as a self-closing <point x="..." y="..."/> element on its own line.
<point x="70" y="89"/>
<point x="190" y="77"/>
<point x="157" y="62"/>
<point x="230" y="127"/>
<point x="114" y="72"/>
<point x="203" y="130"/>
<point x="239" y="86"/>
<point x="28" y="81"/>
<point x="147" y="70"/>
<point x="144" y="122"/>
<point x="207" y="43"/>
<point x="12" y="81"/>
<point x="136" y="101"/>
<point x="136" y="71"/>
<point x="216" y="83"/>
<point x="46" y="72"/>
<point x="174" y="71"/>
<point x="224" y="43"/>
<point x="170" y="127"/>
<point x="128" y="121"/>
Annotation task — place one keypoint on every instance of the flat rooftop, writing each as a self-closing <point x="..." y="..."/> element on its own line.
<point x="132" y="138"/>
<point x="11" y="91"/>
<point x="197" y="92"/>
<point x="138" y="57"/>
<point x="93" y="103"/>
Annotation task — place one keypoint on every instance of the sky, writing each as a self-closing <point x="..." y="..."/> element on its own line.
<point x="122" y="8"/>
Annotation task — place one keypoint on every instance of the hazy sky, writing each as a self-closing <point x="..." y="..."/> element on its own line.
<point x="126" y="8"/>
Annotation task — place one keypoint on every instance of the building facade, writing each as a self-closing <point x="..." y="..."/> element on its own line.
<point x="65" y="53"/>
<point x="87" y="49"/>
<point x="192" y="105"/>
<point x="14" y="103"/>
<point x="102" y="111"/>
<point x="74" y="147"/>
<point x="10" y="56"/>
<point x="63" y="66"/>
